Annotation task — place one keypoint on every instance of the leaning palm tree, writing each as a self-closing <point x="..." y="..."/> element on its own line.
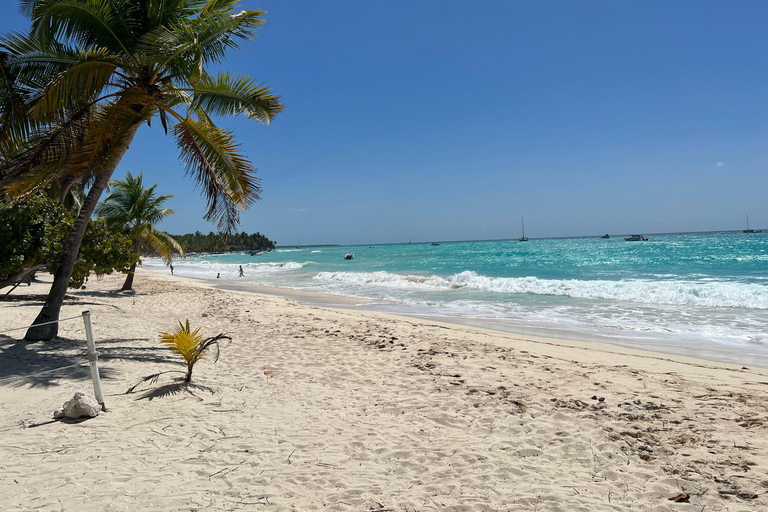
<point x="76" y="88"/>
<point x="136" y="209"/>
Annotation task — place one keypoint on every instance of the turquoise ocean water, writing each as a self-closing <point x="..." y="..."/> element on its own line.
<point x="703" y="295"/>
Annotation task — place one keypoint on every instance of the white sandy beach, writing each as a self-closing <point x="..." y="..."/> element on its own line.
<point x="365" y="412"/>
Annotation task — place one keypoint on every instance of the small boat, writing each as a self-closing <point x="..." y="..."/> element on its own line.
<point x="256" y="253"/>
<point x="606" y="236"/>
<point x="298" y="242"/>
<point x="636" y="238"/>
<point x="522" y="238"/>
<point x="751" y="230"/>
<point x="349" y="256"/>
<point x="434" y="244"/>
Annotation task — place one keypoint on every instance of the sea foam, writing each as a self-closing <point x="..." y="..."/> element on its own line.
<point x="674" y="292"/>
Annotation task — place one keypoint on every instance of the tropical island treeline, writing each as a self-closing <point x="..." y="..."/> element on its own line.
<point x="222" y="242"/>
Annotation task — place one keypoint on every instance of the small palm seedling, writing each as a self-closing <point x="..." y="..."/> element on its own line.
<point x="191" y="346"/>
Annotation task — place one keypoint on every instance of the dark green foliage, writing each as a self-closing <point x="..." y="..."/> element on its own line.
<point x="35" y="231"/>
<point x="30" y="232"/>
<point x="220" y="242"/>
<point x="103" y="251"/>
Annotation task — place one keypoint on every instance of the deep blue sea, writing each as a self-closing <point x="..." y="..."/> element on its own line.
<point x="703" y="295"/>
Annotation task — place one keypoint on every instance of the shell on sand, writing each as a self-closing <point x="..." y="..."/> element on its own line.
<point x="80" y="405"/>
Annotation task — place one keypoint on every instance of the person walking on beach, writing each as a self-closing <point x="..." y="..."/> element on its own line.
<point x="218" y="275"/>
<point x="171" y="268"/>
<point x="242" y="274"/>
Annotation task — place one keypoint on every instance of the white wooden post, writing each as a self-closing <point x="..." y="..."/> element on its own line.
<point x="93" y="357"/>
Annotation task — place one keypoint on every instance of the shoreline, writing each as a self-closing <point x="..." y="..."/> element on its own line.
<point x="646" y="359"/>
<point x="330" y="300"/>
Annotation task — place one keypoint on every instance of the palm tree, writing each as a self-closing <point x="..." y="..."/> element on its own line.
<point x="137" y="209"/>
<point x="76" y="88"/>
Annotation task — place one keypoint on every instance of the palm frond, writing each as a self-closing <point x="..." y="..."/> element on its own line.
<point x="227" y="95"/>
<point x="27" y="7"/>
<point x="89" y="23"/>
<point x="165" y="12"/>
<point x="132" y="204"/>
<point x="163" y="243"/>
<point x="82" y="82"/>
<point x="110" y="127"/>
<point x="15" y="122"/>
<point x="43" y="158"/>
<point x="37" y="61"/>
<point x="212" y="158"/>
<point x="176" y="97"/>
<point x="185" y="49"/>
<point x="219" y="5"/>
<point x="184" y="341"/>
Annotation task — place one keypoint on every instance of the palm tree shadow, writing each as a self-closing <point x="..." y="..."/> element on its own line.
<point x="173" y="389"/>
<point x="46" y="364"/>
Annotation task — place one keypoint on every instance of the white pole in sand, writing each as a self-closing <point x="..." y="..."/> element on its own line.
<point x="93" y="357"/>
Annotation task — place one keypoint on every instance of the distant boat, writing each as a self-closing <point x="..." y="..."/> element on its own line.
<point x="349" y="256"/>
<point x="298" y="242"/>
<point x="606" y="236"/>
<point x="751" y="230"/>
<point x="256" y="253"/>
<point x="409" y="240"/>
<point x="636" y="238"/>
<point x="522" y="238"/>
<point x="434" y="244"/>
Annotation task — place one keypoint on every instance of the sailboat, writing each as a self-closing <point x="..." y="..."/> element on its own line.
<point x="522" y="238"/>
<point x="298" y="242"/>
<point x="751" y="230"/>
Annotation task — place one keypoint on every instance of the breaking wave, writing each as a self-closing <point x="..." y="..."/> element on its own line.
<point x="675" y="292"/>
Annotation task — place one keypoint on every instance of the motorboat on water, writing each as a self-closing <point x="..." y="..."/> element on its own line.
<point x="349" y="256"/>
<point x="606" y="236"/>
<point x="636" y="238"/>
<point x="434" y="244"/>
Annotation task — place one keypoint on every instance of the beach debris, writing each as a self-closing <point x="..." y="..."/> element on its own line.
<point x="80" y="405"/>
<point x="267" y="372"/>
<point x="681" y="498"/>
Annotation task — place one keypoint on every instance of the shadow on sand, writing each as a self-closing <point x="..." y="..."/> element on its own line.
<point x="43" y="364"/>
<point x="172" y="389"/>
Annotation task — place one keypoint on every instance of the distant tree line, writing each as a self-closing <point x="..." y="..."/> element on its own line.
<point x="222" y="242"/>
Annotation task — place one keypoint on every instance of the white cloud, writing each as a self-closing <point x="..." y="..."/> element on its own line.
<point x="720" y="164"/>
<point x="297" y="210"/>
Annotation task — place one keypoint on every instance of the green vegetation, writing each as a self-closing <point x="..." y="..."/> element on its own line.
<point x="190" y="345"/>
<point x="222" y="242"/>
<point x="135" y="210"/>
<point x="76" y="87"/>
<point x="35" y="231"/>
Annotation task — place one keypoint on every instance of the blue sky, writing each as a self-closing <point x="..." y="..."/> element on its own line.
<point x="444" y="120"/>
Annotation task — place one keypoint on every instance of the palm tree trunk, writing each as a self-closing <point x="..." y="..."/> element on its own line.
<point x="52" y="306"/>
<point x="128" y="284"/>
